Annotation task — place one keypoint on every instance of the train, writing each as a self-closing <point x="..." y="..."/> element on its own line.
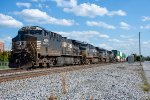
<point x="34" y="46"/>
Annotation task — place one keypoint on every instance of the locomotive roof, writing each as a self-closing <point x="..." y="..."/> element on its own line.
<point x="32" y="28"/>
<point x="35" y="28"/>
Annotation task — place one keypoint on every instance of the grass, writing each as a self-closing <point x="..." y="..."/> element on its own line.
<point x="4" y="67"/>
<point x="52" y="98"/>
<point x="145" y="86"/>
<point x="91" y="97"/>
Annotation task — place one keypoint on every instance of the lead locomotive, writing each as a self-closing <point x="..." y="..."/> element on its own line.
<point x="35" y="46"/>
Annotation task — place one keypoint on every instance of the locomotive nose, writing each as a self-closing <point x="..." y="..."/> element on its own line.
<point x="20" y="44"/>
<point x="21" y="60"/>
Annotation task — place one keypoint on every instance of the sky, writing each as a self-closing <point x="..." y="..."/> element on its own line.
<point x="109" y="24"/>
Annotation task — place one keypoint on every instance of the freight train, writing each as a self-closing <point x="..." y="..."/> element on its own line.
<point x="35" y="46"/>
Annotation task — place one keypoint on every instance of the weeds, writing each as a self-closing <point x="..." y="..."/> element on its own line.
<point x="63" y="83"/>
<point x="91" y="97"/>
<point x="145" y="86"/>
<point x="52" y="98"/>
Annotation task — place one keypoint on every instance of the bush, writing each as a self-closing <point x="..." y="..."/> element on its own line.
<point x="4" y="56"/>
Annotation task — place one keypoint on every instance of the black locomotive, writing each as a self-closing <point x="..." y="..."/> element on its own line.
<point x="35" y="46"/>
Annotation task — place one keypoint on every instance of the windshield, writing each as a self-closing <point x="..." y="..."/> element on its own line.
<point x="23" y="32"/>
<point x="35" y="31"/>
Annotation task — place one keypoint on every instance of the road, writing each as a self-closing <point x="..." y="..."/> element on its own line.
<point x="146" y="67"/>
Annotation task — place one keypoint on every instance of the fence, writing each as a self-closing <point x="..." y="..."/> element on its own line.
<point x="4" y="65"/>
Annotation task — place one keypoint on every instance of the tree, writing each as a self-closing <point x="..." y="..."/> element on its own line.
<point x="147" y="58"/>
<point x="137" y="57"/>
<point x="4" y="56"/>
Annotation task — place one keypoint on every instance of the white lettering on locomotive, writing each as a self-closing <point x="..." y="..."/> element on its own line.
<point x="38" y="44"/>
<point x="45" y="41"/>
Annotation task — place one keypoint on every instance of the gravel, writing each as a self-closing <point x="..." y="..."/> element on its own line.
<point x="111" y="82"/>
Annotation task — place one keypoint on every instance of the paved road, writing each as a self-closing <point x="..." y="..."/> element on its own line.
<point x="146" y="67"/>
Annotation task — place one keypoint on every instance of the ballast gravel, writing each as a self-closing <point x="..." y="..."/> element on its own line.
<point x="109" y="82"/>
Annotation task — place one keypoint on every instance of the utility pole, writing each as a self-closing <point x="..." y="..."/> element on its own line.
<point x="140" y="48"/>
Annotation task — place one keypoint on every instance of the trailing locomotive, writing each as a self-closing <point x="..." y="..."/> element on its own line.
<point x="35" y="46"/>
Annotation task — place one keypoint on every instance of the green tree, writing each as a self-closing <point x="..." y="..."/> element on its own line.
<point x="4" y="56"/>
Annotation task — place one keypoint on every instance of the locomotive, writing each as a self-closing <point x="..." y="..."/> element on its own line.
<point x="35" y="46"/>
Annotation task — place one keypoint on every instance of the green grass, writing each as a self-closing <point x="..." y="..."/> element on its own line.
<point x="145" y="87"/>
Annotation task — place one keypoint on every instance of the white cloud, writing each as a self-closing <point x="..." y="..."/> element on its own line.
<point x="66" y="3"/>
<point x="145" y="27"/>
<point x="8" y="21"/>
<point x="40" y="5"/>
<point x="100" y="24"/>
<point x="119" y="13"/>
<point x="145" y="47"/>
<point x="40" y="17"/>
<point x="23" y="4"/>
<point x="86" y="9"/>
<point x="125" y="26"/>
<point x="41" y="0"/>
<point x="127" y="45"/>
<point x="145" y="18"/>
<point x="146" y="42"/>
<point x="124" y="36"/>
<point x="84" y="35"/>
<point x="115" y="40"/>
<point x="103" y="36"/>
<point x="105" y="46"/>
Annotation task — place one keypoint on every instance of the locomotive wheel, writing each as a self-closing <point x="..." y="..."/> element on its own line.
<point x="55" y="61"/>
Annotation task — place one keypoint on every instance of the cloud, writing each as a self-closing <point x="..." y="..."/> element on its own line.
<point x="66" y="3"/>
<point x="8" y="21"/>
<point x="124" y="36"/>
<point x="115" y="40"/>
<point x="40" y="17"/>
<point x="40" y="5"/>
<point x="100" y="24"/>
<point x="84" y="35"/>
<point x="86" y="9"/>
<point x="125" y="26"/>
<point x="145" y="18"/>
<point x="146" y="42"/>
<point x="103" y="36"/>
<point x="145" y="27"/>
<point x="105" y="46"/>
<point x="145" y="48"/>
<point x="119" y="13"/>
<point x="23" y="4"/>
<point x="40" y="0"/>
<point x="126" y="45"/>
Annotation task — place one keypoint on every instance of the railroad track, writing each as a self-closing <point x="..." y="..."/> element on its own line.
<point x="35" y="73"/>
